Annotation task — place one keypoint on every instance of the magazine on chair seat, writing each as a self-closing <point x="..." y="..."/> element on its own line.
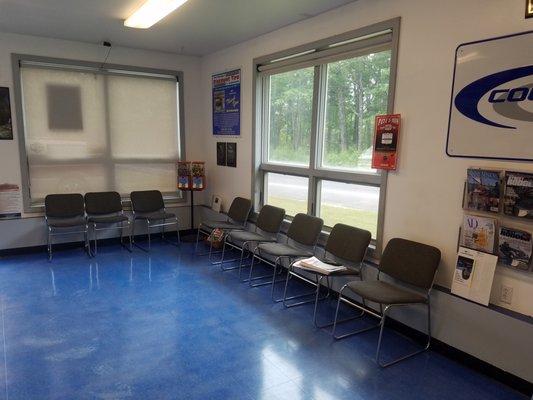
<point x="313" y="264"/>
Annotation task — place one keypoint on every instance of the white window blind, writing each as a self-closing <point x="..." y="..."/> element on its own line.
<point x="86" y="131"/>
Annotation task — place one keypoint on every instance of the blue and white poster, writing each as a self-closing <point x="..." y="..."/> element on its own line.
<point x="491" y="109"/>
<point x="227" y="103"/>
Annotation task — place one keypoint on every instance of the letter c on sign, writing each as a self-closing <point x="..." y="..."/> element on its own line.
<point x="494" y="93"/>
<point x="521" y="92"/>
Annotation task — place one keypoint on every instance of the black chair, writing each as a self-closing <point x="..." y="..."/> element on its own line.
<point x="148" y="206"/>
<point x="266" y="229"/>
<point x="347" y="246"/>
<point x="412" y="264"/>
<point x="104" y="212"/>
<point x="235" y="220"/>
<point x="301" y="240"/>
<point x="64" y="212"/>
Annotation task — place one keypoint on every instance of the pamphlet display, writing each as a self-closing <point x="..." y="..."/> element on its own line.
<point x="518" y="200"/>
<point x="386" y="138"/>
<point x="227" y="103"/>
<point x="478" y="233"/>
<point x="515" y="248"/>
<point x="483" y="190"/>
<point x="473" y="275"/>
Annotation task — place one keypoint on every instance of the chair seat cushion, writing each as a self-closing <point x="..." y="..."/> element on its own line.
<point x="111" y="219"/>
<point x="67" y="222"/>
<point x="280" y="249"/>
<point x="156" y="216"/>
<point x="221" y="225"/>
<point x="384" y="292"/>
<point x="246" y="236"/>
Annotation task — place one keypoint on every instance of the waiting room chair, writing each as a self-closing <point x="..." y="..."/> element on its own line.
<point x="236" y="220"/>
<point x="347" y="246"/>
<point x="105" y="212"/>
<point x="266" y="229"/>
<point x="412" y="267"/>
<point x="63" y="213"/>
<point x="301" y="240"/>
<point x="148" y="206"/>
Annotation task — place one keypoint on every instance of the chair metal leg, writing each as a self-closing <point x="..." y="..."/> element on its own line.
<point x="197" y="238"/>
<point x="414" y="353"/>
<point x="336" y="321"/>
<point x="149" y="237"/>
<point x="49" y="244"/>
<point x="178" y="232"/>
<point x="96" y="239"/>
<point x="314" y="292"/>
<point x="87" y="242"/>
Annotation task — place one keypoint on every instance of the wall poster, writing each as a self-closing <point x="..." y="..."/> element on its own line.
<point x="491" y="105"/>
<point x="227" y="103"/>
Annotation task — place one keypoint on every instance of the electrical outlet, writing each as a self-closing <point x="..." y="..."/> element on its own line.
<point x="506" y="295"/>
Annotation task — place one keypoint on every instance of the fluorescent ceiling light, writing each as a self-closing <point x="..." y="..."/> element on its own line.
<point x="151" y="12"/>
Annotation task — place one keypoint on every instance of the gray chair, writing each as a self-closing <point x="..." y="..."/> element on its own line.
<point x="148" y="206"/>
<point x="347" y="246"/>
<point x="235" y="220"/>
<point x="412" y="267"/>
<point x="301" y="240"/>
<point x="104" y="212"/>
<point x="266" y="229"/>
<point x="64" y="213"/>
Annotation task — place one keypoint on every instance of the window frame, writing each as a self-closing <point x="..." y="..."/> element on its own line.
<point x="37" y="205"/>
<point x="370" y="39"/>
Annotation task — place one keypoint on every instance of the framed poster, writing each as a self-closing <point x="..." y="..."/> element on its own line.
<point x="227" y="103"/>
<point x="6" y="127"/>
<point x="491" y="105"/>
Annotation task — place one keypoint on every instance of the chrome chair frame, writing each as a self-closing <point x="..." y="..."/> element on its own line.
<point x="50" y="234"/>
<point x="121" y="227"/>
<point x="382" y="317"/>
<point x="207" y="233"/>
<point x="149" y="225"/>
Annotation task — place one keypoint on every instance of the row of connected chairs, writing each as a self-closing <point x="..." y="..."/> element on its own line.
<point x="405" y="276"/>
<point x="67" y="214"/>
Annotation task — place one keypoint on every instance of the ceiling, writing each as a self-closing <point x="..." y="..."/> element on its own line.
<point x="198" y="27"/>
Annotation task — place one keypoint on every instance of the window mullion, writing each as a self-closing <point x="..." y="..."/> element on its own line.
<point x="311" y="194"/>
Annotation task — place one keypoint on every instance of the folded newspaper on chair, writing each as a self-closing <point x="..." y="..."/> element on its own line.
<point x="315" y="265"/>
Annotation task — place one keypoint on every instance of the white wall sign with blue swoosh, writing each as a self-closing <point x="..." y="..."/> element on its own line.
<point x="491" y="109"/>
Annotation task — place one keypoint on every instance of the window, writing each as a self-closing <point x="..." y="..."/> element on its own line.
<point x="90" y="129"/>
<point x="315" y="122"/>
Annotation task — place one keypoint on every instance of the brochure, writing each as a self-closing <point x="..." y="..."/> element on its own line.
<point x="473" y="275"/>
<point x="315" y="265"/>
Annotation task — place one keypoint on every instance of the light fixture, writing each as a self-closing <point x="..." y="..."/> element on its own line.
<point x="151" y="12"/>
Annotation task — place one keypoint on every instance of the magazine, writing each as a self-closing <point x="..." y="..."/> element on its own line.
<point x="315" y="265"/>
<point x="478" y="233"/>
<point x="515" y="248"/>
<point x="518" y="200"/>
<point x="483" y="190"/>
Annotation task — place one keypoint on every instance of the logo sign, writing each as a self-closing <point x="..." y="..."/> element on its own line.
<point x="491" y="109"/>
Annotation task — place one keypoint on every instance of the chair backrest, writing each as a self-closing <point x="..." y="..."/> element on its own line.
<point x="147" y="201"/>
<point x="348" y="242"/>
<point x="100" y="203"/>
<point x="305" y="229"/>
<point x="410" y="262"/>
<point x="64" y="205"/>
<point x="270" y="219"/>
<point x="240" y="209"/>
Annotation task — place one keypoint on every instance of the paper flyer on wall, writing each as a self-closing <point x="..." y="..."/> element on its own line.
<point x="478" y="233"/>
<point x="515" y="248"/>
<point x="473" y="275"/>
<point x="10" y="200"/>
<point x="226" y="93"/>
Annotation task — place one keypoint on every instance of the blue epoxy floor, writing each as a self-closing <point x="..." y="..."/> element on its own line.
<point x="169" y="326"/>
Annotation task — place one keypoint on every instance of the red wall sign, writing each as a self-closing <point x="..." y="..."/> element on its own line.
<point x="386" y="137"/>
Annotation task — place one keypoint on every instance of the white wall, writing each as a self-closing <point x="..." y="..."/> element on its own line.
<point x="424" y="196"/>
